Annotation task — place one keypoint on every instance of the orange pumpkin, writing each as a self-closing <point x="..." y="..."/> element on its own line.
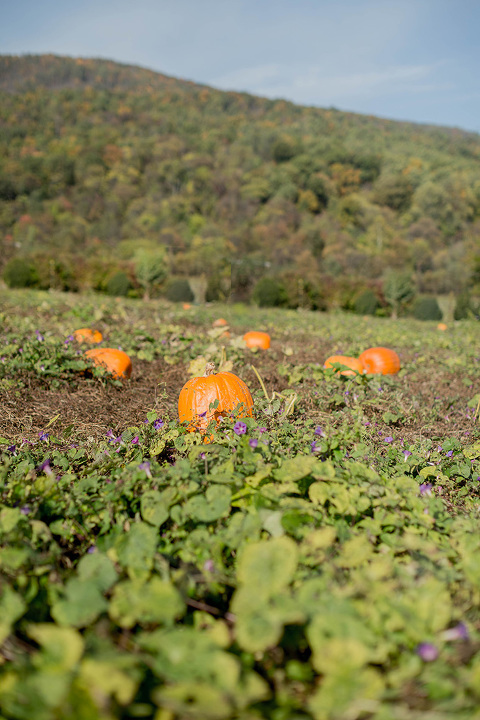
<point x="220" y="322"/>
<point x="353" y="363"/>
<point x="186" y="306"/>
<point x="88" y="335"/>
<point x="255" y="338"/>
<point x="115" y="361"/>
<point x="199" y="393"/>
<point x="380" y="360"/>
<point x="441" y="326"/>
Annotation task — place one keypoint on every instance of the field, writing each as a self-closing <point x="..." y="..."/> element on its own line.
<point x="317" y="561"/>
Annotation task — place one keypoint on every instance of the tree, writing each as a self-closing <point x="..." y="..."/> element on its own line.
<point x="398" y="289"/>
<point x="150" y="269"/>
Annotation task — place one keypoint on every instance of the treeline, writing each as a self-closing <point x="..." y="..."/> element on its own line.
<point x="119" y="179"/>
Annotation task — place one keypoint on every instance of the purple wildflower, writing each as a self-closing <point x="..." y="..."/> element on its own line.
<point x="68" y="340"/>
<point x="209" y="565"/>
<point x="158" y="424"/>
<point x="449" y="453"/>
<point x="426" y="489"/>
<point x="12" y="449"/>
<point x="45" y="467"/>
<point x="459" y="632"/>
<point x="427" y="651"/>
<point x="388" y="439"/>
<point x="253" y="443"/>
<point x="135" y="440"/>
<point x="39" y="335"/>
<point x="319" y="431"/>
<point x="240" y="428"/>
<point x="43" y="436"/>
<point x="91" y="549"/>
<point x="145" y="465"/>
<point x="406" y="453"/>
<point x="110" y="435"/>
<point x="262" y="430"/>
<point x="25" y="510"/>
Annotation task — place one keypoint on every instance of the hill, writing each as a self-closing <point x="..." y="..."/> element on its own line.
<point x="119" y="178"/>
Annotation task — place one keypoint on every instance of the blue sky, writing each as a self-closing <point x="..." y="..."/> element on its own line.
<point x="413" y="60"/>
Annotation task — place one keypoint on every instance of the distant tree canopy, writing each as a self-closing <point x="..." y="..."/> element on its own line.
<point x="109" y="168"/>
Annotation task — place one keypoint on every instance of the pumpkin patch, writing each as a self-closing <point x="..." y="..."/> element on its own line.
<point x="380" y="360"/>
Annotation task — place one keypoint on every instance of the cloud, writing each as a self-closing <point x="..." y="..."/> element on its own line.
<point x="315" y="85"/>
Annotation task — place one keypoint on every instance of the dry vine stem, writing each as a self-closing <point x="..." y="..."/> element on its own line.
<point x="290" y="400"/>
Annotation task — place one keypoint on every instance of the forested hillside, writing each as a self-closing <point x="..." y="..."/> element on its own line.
<point x="121" y="179"/>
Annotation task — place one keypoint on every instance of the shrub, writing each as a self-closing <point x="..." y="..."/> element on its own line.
<point x="270" y="292"/>
<point x="118" y="284"/>
<point x="365" y="303"/>
<point x="427" y="308"/>
<point x="178" y="290"/>
<point x="465" y="307"/>
<point x="19" y="273"/>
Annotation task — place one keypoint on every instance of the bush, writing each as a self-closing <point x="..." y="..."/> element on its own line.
<point x="465" y="308"/>
<point x="118" y="284"/>
<point x="178" y="290"/>
<point x="270" y="292"/>
<point x="365" y="303"/>
<point x="427" y="308"/>
<point x="19" y="273"/>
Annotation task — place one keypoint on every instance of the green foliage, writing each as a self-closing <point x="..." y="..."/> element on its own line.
<point x="19" y="273"/>
<point x="365" y="303"/>
<point x="427" y="308"/>
<point x="118" y="284"/>
<point x="465" y="307"/>
<point x="270" y="292"/>
<point x="178" y="290"/>
<point x="150" y="269"/>
<point x="312" y="564"/>
<point x="398" y="289"/>
<point x="394" y="191"/>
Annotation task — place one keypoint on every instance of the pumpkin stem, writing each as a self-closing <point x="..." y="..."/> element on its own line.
<point x="209" y="369"/>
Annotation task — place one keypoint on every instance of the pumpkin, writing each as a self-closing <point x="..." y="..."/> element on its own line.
<point x="380" y="360"/>
<point x="199" y="393"/>
<point x="441" y="326"/>
<point x="255" y="338"/>
<point x="220" y="322"/>
<point x="88" y="335"/>
<point x="353" y="363"/>
<point x="186" y="306"/>
<point x="115" y="361"/>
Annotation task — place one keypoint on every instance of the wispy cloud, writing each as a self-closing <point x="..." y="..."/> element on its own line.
<point x="317" y="85"/>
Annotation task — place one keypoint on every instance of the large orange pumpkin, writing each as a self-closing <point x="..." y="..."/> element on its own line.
<point x="219" y="322"/>
<point x="88" y="335"/>
<point x="350" y="362"/>
<point x="380" y="360"/>
<point x="200" y="393"/>
<point x="115" y="361"/>
<point x="255" y="338"/>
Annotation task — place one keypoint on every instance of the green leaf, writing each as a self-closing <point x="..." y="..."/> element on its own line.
<point x="12" y="607"/>
<point x="346" y="693"/>
<point x="155" y="601"/>
<point x="153" y="508"/>
<point x="106" y="680"/>
<point x="9" y="519"/>
<point x="98" y="569"/>
<point x="81" y="604"/>
<point x="62" y="647"/>
<point x="211" y="506"/>
<point x="268" y="566"/>
<point x="136" y="549"/>
<point x="194" y="700"/>
<point x="296" y="468"/>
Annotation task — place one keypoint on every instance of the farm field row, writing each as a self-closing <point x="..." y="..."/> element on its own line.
<point x="317" y="560"/>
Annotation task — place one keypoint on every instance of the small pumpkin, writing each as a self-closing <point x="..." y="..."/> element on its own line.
<point x="200" y="393"/>
<point x="115" y="361"/>
<point x="380" y="360"/>
<point x="353" y="363"/>
<point x="441" y="326"/>
<point x="186" y="306"/>
<point x="88" y="335"/>
<point x="220" y="322"/>
<point x="255" y="338"/>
